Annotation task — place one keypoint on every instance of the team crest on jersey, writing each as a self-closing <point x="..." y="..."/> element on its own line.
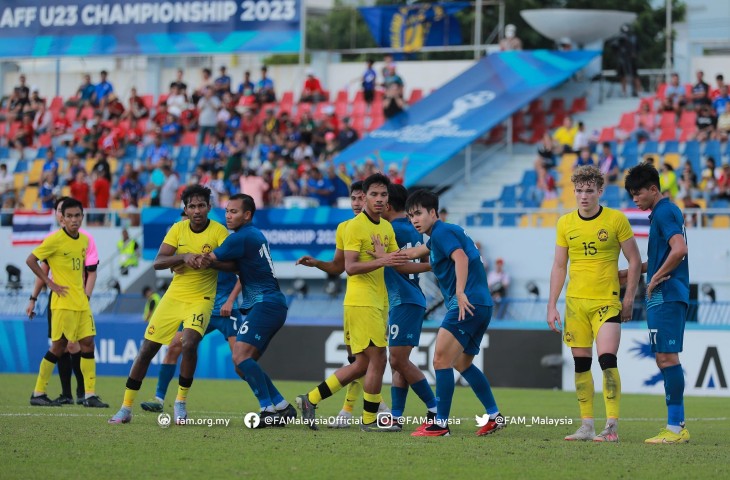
<point x="151" y="330"/>
<point x="568" y="337"/>
<point x="602" y="235"/>
<point x="83" y="253"/>
<point x="207" y="248"/>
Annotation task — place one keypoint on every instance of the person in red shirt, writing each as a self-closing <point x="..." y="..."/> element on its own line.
<point x="102" y="191"/>
<point x="80" y="189"/>
<point x="134" y="134"/>
<point x="137" y="107"/>
<point x="312" y="91"/>
<point x="161" y="114"/>
<point x="24" y="135"/>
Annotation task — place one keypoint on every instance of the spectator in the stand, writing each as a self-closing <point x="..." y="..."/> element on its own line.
<point x="688" y="181"/>
<point x="510" y="41"/>
<point x="265" y="92"/>
<point x="398" y="175"/>
<point x="546" y="188"/>
<point x="608" y="165"/>
<point x="22" y="88"/>
<point x="723" y="125"/>
<point x="101" y="189"/>
<point x="444" y="215"/>
<point x="388" y="64"/>
<point x="369" y="79"/>
<point x="160" y="114"/>
<point x="392" y="78"/>
<point x="171" y="130"/>
<point x="347" y="135"/>
<point x="341" y="186"/>
<point x="721" y="101"/>
<point x="626" y="46"/>
<point x="584" y="158"/>
<point x="393" y="103"/>
<point x="179" y="83"/>
<point x="301" y="151"/>
<point x="330" y="147"/>
<point x="565" y="136"/>
<point x="720" y="80"/>
<point x="222" y="84"/>
<point x="84" y="94"/>
<point x="132" y="191"/>
<point x="246" y="87"/>
<point x="312" y="90"/>
<point x="102" y="91"/>
<point x="135" y="134"/>
<point x="7" y="184"/>
<point x="708" y="181"/>
<point x="80" y="188"/>
<point x="255" y="186"/>
<point x="706" y="123"/>
<point x="270" y="124"/>
<point x="103" y="167"/>
<point x="48" y="191"/>
<point x="176" y="102"/>
<point x="581" y="139"/>
<point x="700" y="91"/>
<point x="668" y="183"/>
<point x="208" y="107"/>
<point x="206" y="81"/>
<point x="723" y="183"/>
<point x="642" y="133"/>
<point x="137" y="107"/>
<point x="499" y="281"/>
<point x="114" y="106"/>
<point x="546" y="153"/>
<point x="675" y="91"/>
<point x="156" y="153"/>
<point x="249" y="126"/>
<point x="50" y="164"/>
<point x="168" y="190"/>
<point x="18" y="106"/>
<point x="24" y="136"/>
<point x="74" y="166"/>
<point x="43" y="119"/>
<point x="319" y="188"/>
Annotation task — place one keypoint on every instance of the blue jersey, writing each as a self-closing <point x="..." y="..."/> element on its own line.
<point x="404" y="288"/>
<point x="248" y="247"/>
<point x="445" y="239"/>
<point x="226" y="283"/>
<point x="666" y="221"/>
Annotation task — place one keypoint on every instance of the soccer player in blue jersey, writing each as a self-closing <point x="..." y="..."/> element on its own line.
<point x="667" y="292"/>
<point x="407" y="308"/>
<point x="456" y="262"/>
<point x="262" y="299"/>
<point x="225" y="318"/>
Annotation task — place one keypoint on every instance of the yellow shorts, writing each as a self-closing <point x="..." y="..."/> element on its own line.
<point x="72" y="324"/>
<point x="583" y="318"/>
<point x="171" y="312"/>
<point x="365" y="325"/>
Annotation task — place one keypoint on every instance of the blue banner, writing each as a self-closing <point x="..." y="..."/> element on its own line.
<point x="291" y="232"/>
<point x="408" y="28"/>
<point x="153" y="27"/>
<point x="452" y="117"/>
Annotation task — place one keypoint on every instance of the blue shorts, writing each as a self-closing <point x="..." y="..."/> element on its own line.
<point x="666" y="326"/>
<point x="470" y="331"/>
<point x="226" y="325"/>
<point x="404" y="325"/>
<point x="264" y="319"/>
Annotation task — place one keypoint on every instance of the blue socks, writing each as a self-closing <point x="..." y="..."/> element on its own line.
<point x="479" y="383"/>
<point x="398" y="396"/>
<point x="167" y="372"/>
<point x="256" y="379"/>
<point x="276" y="397"/>
<point x="674" y="389"/>
<point x="424" y="392"/>
<point x="444" y="394"/>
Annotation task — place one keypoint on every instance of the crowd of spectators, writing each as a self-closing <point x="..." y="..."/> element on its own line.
<point x="237" y="138"/>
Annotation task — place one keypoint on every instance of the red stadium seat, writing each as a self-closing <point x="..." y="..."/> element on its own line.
<point x="668" y="119"/>
<point x="669" y="132"/>
<point x="608" y="134"/>
<point x="189" y="139"/>
<point x="287" y="101"/>
<point x="149" y="101"/>
<point x="416" y="95"/>
<point x="688" y="119"/>
<point x="580" y="104"/>
<point x="627" y="122"/>
<point x="660" y="91"/>
<point x="687" y="133"/>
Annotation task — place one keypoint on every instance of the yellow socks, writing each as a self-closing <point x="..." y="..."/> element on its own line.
<point x="44" y="373"/>
<point x="325" y="389"/>
<point x="585" y="391"/>
<point x="371" y="403"/>
<point x="354" y="390"/>
<point x="612" y="392"/>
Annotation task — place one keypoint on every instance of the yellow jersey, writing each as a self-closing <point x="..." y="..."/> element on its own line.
<point x="340" y="235"/>
<point x="67" y="258"/>
<point x="188" y="284"/>
<point x="368" y="289"/>
<point x="566" y="136"/>
<point x="593" y="248"/>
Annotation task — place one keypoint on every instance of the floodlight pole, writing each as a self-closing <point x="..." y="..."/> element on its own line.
<point x="477" y="29"/>
<point x="668" y="40"/>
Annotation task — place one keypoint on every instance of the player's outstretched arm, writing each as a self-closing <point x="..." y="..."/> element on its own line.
<point x="334" y="267"/>
<point x="209" y="260"/>
<point x="557" y="280"/>
<point x="353" y="266"/>
<point x="631" y="252"/>
<point x="168" y="258"/>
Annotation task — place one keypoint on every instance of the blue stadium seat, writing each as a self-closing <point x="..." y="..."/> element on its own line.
<point x="630" y="154"/>
<point x="529" y="178"/>
<point x="719" y="204"/>
<point x="650" y="146"/>
<point x="671" y="146"/>
<point x="4" y="152"/>
<point x="62" y="152"/>
<point x="692" y="152"/>
<point x="185" y="154"/>
<point x="509" y="194"/>
<point x="712" y="149"/>
<point x="509" y="219"/>
<point x="489" y="203"/>
<point x="130" y="151"/>
<point x="21" y="166"/>
<point x="41" y="152"/>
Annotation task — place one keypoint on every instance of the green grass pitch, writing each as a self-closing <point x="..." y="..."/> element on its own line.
<point x="76" y="442"/>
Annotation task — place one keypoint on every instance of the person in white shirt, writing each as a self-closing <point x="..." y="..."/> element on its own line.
<point x="498" y="281"/>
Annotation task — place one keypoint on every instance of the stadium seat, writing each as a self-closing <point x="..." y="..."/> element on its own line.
<point x="34" y="175"/>
<point x="692" y="154"/>
<point x="672" y="159"/>
<point x="688" y="119"/>
<point x="162" y="99"/>
<point x="660" y="90"/>
<point x="580" y="104"/>
<point x="627" y="122"/>
<point x="721" y="221"/>
<point x="508" y="195"/>
<point x="508" y="219"/>
<point x="687" y="133"/>
<point x="650" y="146"/>
<point x="668" y="119"/>
<point x="713" y="149"/>
<point x="608" y="134"/>
<point x="529" y="178"/>
<point x="287" y="101"/>
<point x="557" y="104"/>
<point x="671" y="147"/>
<point x="19" y="181"/>
<point x="668" y="132"/>
<point x="148" y="100"/>
<point x="416" y="95"/>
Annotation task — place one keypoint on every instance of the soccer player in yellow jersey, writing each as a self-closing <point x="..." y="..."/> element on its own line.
<point x="188" y="300"/>
<point x="591" y="238"/>
<point x="335" y="267"/>
<point x="72" y="321"/>
<point x="366" y="317"/>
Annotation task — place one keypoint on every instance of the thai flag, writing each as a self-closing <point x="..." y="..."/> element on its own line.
<point x="639" y="220"/>
<point x="30" y="228"/>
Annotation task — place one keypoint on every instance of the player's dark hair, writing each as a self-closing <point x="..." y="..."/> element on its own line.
<point x="59" y="202"/>
<point x="246" y="201"/>
<point x="71" y="203"/>
<point x="146" y="289"/>
<point x="356" y="187"/>
<point x="397" y="196"/>
<point x="641" y="176"/>
<point x="375" y="179"/>
<point x="424" y="199"/>
<point x="196" y="191"/>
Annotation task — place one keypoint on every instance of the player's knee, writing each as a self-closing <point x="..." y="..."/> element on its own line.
<point x="607" y="360"/>
<point x="582" y="364"/>
<point x="462" y="364"/>
<point x="441" y="361"/>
